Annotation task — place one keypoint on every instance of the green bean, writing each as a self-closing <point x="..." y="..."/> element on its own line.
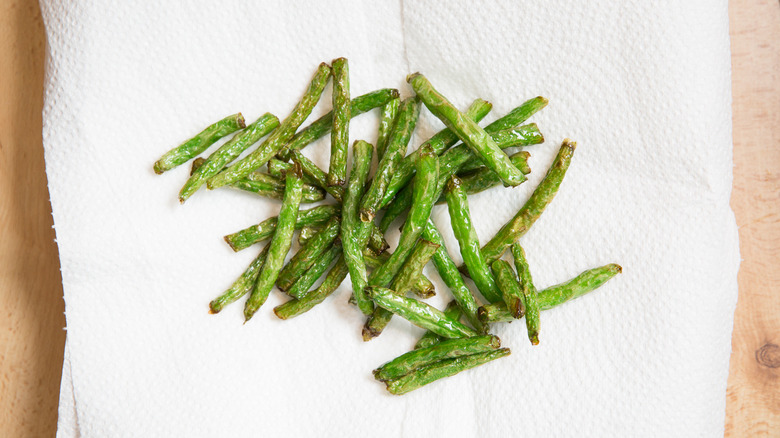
<point x="242" y="285"/>
<point x="302" y="285"/>
<point x="386" y="123"/>
<point x="469" y="242"/>
<point x="526" y="135"/>
<point x="322" y="126"/>
<point x="227" y="153"/>
<point x="577" y="287"/>
<point x="529" y="293"/>
<point x="281" y="135"/>
<point x="306" y="233"/>
<point x="194" y="146"/>
<point x="354" y="232"/>
<point x="483" y="178"/>
<point x="396" y="149"/>
<point x="280" y="243"/>
<point x="422" y="286"/>
<point x="480" y="142"/>
<point x="429" y="338"/>
<point x="444" y="368"/>
<point x="554" y="296"/>
<point x="269" y="187"/>
<point x="402" y="283"/>
<point x="265" y="229"/>
<point x="419" y="313"/>
<point x="448" y="271"/>
<point x="308" y="254"/>
<point x="451" y="348"/>
<point x="424" y="195"/>
<point x="509" y="287"/>
<point x="318" y="175"/>
<point x="450" y="162"/>
<point x="332" y="281"/>
<point x="339" y="135"/>
<point x="533" y="208"/>
<point x="440" y="142"/>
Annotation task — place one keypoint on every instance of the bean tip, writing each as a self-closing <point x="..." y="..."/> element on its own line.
<point x="569" y="143"/>
<point x="230" y="243"/>
<point x="618" y="269"/>
<point x="411" y="76"/>
<point x="278" y="315"/>
<point x="369" y="334"/>
<point x="366" y="215"/>
<point x="158" y="168"/>
<point x="240" y="120"/>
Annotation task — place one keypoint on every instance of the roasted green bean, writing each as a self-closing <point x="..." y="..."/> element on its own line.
<point x="242" y="285"/>
<point x="386" y="124"/>
<point x="469" y="242"/>
<point x="533" y="208"/>
<point x="354" y="232"/>
<point x="194" y="146"/>
<point x="339" y="135"/>
<point x="444" y="368"/>
<point x="419" y="313"/>
<point x="280" y="243"/>
<point x="529" y="293"/>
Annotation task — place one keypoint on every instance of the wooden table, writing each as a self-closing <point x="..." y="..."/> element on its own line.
<point x="31" y="335"/>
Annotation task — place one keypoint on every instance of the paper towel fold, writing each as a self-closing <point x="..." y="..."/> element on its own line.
<point x="644" y="89"/>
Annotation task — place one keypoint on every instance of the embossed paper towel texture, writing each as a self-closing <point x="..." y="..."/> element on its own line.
<point x="643" y="88"/>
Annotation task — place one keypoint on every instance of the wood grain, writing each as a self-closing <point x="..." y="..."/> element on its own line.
<point x="31" y="336"/>
<point x="32" y="321"/>
<point x="753" y="401"/>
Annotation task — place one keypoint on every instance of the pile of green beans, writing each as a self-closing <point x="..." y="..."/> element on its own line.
<point x="340" y="237"/>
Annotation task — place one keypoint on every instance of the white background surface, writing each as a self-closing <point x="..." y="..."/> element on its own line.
<point x="643" y="88"/>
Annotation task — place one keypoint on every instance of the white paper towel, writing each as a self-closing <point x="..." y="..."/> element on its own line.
<point x="643" y="87"/>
